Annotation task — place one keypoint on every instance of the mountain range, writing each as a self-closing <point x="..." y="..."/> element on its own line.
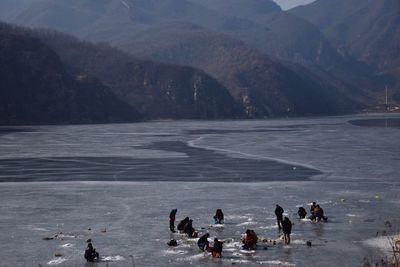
<point x="127" y="88"/>
<point x="265" y="62"/>
<point x="35" y="88"/>
<point x="367" y="29"/>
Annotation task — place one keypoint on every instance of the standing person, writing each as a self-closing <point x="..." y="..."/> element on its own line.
<point x="203" y="242"/>
<point x="287" y="230"/>
<point x="91" y="254"/>
<point x="302" y="212"/>
<point x="279" y="215"/>
<point x="217" y="248"/>
<point x="172" y="220"/>
<point x="219" y="217"/>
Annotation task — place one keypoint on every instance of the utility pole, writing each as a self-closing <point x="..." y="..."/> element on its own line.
<point x="386" y="98"/>
<point x="386" y="90"/>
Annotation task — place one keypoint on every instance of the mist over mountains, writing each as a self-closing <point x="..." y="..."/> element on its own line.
<point x="247" y="58"/>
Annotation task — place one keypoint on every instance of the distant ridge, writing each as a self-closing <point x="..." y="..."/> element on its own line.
<point x="367" y="29"/>
<point x="36" y="89"/>
<point x="157" y="90"/>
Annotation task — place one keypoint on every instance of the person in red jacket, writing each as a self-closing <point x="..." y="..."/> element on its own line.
<point x="250" y="240"/>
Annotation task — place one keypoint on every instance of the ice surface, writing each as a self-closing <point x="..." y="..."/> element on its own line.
<point x="116" y="184"/>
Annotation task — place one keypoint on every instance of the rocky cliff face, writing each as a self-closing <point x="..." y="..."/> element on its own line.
<point x="158" y="91"/>
<point x="263" y="86"/>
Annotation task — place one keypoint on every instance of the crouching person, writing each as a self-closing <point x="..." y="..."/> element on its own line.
<point x="203" y="242"/>
<point x="250" y="240"/>
<point x="216" y="250"/>
<point x="91" y="254"/>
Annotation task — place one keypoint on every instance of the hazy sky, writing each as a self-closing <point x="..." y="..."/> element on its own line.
<point x="286" y="4"/>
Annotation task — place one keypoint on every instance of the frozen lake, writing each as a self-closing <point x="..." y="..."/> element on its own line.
<point x="121" y="181"/>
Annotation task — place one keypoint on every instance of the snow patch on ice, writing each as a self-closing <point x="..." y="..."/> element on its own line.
<point x="113" y="258"/>
<point x="320" y="203"/>
<point x="246" y="223"/>
<point x="276" y="262"/>
<point x="232" y="245"/>
<point x="57" y="261"/>
<point x="268" y="227"/>
<point x="174" y="252"/>
<point x="40" y="229"/>
<point x="198" y="256"/>
<point x="298" y="242"/>
<point x="381" y="243"/>
<point x="235" y="217"/>
<point x="216" y="225"/>
<point x="352" y="215"/>
<point x="68" y="245"/>
<point x="239" y="261"/>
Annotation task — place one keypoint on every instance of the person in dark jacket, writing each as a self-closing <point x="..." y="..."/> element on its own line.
<point x="302" y="212"/>
<point x="91" y="254"/>
<point x="312" y="211"/>
<point x="219" y="217"/>
<point x="182" y="224"/>
<point x="216" y="251"/>
<point x="279" y="215"/>
<point x="189" y="230"/>
<point x="319" y="214"/>
<point x="287" y="230"/>
<point x="172" y="220"/>
<point x="203" y="242"/>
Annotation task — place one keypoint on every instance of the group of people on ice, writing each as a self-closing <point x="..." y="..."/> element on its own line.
<point x="186" y="226"/>
<point x="317" y="213"/>
<point x="204" y="245"/>
<point x="284" y="224"/>
<point x="250" y="238"/>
